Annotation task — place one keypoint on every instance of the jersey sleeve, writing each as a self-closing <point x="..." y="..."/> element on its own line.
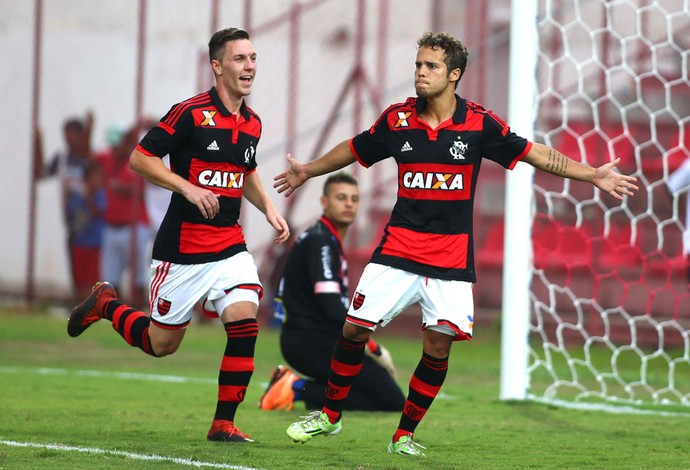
<point x="501" y="144"/>
<point x="324" y="275"/>
<point x="169" y="134"/>
<point x="369" y="147"/>
<point x="250" y="157"/>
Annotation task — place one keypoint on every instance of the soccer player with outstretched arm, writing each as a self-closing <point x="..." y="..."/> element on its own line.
<point x="425" y="256"/>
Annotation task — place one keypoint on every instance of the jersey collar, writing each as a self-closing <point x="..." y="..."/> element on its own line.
<point x="331" y="228"/>
<point x="460" y="109"/>
<point x="221" y="107"/>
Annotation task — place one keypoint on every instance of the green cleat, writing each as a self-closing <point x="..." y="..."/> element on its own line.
<point x="315" y="423"/>
<point x="406" y="446"/>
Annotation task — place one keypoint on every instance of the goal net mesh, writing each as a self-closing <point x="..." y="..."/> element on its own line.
<point x="610" y="304"/>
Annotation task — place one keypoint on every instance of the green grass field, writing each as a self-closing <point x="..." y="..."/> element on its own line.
<point x="96" y="403"/>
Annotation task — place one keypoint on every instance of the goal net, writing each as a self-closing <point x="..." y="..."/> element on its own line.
<point x="609" y="299"/>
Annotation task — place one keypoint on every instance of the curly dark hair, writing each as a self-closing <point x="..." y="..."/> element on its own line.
<point x="219" y="38"/>
<point x="455" y="52"/>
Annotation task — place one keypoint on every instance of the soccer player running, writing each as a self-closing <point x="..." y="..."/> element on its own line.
<point x="313" y="296"/>
<point x="199" y="253"/>
<point x="438" y="140"/>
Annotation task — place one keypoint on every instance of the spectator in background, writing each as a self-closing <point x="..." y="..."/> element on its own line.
<point x="69" y="164"/>
<point x="678" y="181"/>
<point x="127" y="232"/>
<point x="85" y="221"/>
<point x="313" y="299"/>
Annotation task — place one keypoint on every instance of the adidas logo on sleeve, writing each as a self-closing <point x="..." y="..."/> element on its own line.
<point x="406" y="147"/>
<point x="213" y="146"/>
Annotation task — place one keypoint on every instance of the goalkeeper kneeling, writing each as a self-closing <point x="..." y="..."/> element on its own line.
<point x="311" y="304"/>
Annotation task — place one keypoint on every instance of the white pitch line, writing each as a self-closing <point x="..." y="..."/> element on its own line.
<point x="139" y="376"/>
<point x="116" y="375"/>
<point x="613" y="409"/>
<point x="131" y="455"/>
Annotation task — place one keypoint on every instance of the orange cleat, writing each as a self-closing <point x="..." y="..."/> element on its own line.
<point x="90" y="310"/>
<point x="279" y="394"/>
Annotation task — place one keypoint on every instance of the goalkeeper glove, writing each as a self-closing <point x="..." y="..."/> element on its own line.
<point x="278" y="311"/>
<point x="381" y="356"/>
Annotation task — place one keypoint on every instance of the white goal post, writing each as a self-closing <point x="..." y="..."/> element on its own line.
<point x="596" y="293"/>
<point x="517" y="256"/>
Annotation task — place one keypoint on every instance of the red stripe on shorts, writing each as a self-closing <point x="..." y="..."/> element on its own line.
<point x="169" y="327"/>
<point x="255" y="287"/>
<point x="460" y="335"/>
<point x="162" y="271"/>
<point x="360" y="322"/>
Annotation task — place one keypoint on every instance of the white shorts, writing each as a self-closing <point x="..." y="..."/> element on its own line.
<point x="384" y="292"/>
<point x="176" y="288"/>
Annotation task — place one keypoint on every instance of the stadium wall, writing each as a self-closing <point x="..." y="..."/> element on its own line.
<point x="134" y="58"/>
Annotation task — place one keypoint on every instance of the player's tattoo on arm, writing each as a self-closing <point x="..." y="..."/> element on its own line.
<point x="557" y="163"/>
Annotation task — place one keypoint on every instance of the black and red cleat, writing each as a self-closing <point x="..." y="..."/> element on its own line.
<point x="90" y="310"/>
<point x="223" y="430"/>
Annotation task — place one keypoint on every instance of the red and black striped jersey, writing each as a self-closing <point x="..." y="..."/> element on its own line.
<point x="212" y="148"/>
<point x="430" y="228"/>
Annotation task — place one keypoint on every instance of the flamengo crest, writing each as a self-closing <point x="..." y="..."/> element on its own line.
<point x="458" y="149"/>
<point x="249" y="154"/>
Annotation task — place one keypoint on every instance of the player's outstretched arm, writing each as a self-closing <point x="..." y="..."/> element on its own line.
<point x="604" y="177"/>
<point x="298" y="173"/>
<point x="612" y="182"/>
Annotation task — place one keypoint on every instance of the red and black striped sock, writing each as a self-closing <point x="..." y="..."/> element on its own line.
<point x="424" y="386"/>
<point x="237" y="366"/>
<point x="131" y="324"/>
<point x="345" y="365"/>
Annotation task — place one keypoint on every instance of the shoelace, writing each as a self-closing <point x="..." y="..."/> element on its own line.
<point x="308" y="419"/>
<point x="413" y="448"/>
<point x="234" y="430"/>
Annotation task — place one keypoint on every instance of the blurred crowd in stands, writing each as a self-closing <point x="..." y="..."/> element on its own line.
<point x="111" y="214"/>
